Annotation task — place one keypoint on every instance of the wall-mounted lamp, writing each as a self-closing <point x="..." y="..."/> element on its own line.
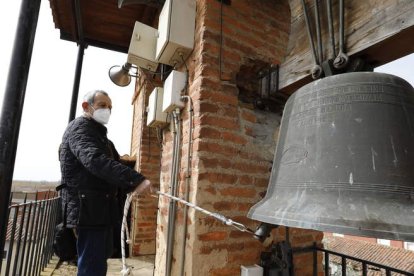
<point x="122" y="76"/>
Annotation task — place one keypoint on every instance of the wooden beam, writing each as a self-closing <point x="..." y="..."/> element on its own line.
<point x="378" y="30"/>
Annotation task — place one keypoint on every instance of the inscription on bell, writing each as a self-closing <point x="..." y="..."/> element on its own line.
<point x="322" y="106"/>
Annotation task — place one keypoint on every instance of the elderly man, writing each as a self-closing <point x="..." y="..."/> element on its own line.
<point x="92" y="174"/>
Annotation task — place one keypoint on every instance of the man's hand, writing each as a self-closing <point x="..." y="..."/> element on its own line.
<point x="144" y="188"/>
<point x="128" y="160"/>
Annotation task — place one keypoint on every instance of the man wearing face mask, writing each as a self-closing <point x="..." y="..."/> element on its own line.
<point x="92" y="173"/>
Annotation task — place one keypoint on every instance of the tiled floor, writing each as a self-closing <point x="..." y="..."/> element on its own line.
<point x="142" y="266"/>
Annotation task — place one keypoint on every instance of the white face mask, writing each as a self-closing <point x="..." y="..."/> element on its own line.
<point x="101" y="115"/>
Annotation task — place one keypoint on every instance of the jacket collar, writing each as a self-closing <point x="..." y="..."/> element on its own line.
<point x="98" y="126"/>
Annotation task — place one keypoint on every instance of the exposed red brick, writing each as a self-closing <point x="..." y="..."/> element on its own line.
<point x="211" y="190"/>
<point x="207" y="107"/>
<point x="225" y="272"/>
<point x="246" y="180"/>
<point x="223" y="206"/>
<point x="238" y="192"/>
<point x="213" y="236"/>
<point x="206" y="132"/>
<point x="201" y="146"/>
<point x="249" y="116"/>
<point x="303" y="240"/>
<point x="218" y="178"/>
<point x="244" y="206"/>
<point x="240" y="235"/>
<point x="218" y="121"/>
<point x="205" y="250"/>
<point x="234" y="138"/>
<point x="246" y="257"/>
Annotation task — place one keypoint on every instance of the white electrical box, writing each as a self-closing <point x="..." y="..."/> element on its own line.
<point x="173" y="86"/>
<point x="155" y="117"/>
<point x="176" y="26"/>
<point x="253" y="270"/>
<point x="141" y="50"/>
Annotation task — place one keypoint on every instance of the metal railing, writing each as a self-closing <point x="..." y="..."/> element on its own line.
<point x="30" y="233"/>
<point x="365" y="266"/>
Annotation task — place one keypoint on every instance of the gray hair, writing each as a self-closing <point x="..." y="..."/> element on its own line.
<point x="90" y="96"/>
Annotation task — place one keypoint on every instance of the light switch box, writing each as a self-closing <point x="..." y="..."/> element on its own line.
<point x="173" y="86"/>
<point x="141" y="50"/>
<point x="176" y="26"/>
<point x="155" y="116"/>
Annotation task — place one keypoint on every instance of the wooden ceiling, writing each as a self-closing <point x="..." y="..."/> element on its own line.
<point x="100" y="23"/>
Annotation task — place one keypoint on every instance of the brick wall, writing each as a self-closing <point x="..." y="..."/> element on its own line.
<point x="232" y="144"/>
<point x="146" y="148"/>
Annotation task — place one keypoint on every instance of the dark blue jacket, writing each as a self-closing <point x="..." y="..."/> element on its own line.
<point x="92" y="175"/>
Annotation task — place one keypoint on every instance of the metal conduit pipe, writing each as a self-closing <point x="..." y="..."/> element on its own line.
<point x="174" y="183"/>
<point x="187" y="180"/>
<point x="171" y="207"/>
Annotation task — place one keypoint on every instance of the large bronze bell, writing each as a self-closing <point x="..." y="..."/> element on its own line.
<point x="344" y="162"/>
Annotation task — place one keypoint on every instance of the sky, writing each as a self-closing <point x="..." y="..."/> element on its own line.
<point x="49" y="91"/>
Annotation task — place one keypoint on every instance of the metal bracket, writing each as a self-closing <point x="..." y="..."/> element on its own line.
<point x="269" y="96"/>
<point x="278" y="261"/>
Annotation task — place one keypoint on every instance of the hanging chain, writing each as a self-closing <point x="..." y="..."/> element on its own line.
<point x="239" y="226"/>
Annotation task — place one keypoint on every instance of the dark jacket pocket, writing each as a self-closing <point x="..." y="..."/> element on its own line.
<point x="97" y="209"/>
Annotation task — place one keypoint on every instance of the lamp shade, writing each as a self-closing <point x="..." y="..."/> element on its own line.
<point x="120" y="76"/>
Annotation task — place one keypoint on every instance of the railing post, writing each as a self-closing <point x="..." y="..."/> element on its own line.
<point x="11" y="244"/>
<point x="53" y="226"/>
<point x="26" y="231"/>
<point x="19" y="237"/>
<point x="40" y="236"/>
<point x="43" y="234"/>
<point x="30" y="247"/>
<point x="46" y="234"/>
<point x="315" y="259"/>
<point x="35" y="235"/>
<point x="13" y="100"/>
<point x="326" y="263"/>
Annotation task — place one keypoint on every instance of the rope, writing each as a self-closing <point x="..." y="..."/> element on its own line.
<point x="217" y="216"/>
<point x="126" y="270"/>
